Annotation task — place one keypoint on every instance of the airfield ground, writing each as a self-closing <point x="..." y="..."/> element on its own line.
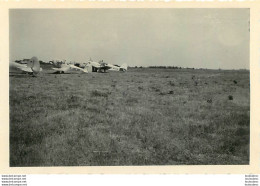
<point x="141" y="117"/>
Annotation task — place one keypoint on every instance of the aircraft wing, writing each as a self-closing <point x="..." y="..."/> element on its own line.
<point x="22" y="67"/>
<point x="66" y="68"/>
<point x="57" y="69"/>
<point x="96" y="66"/>
<point x="63" y="68"/>
<point x="26" y="69"/>
<point x="77" y="68"/>
<point x="105" y="67"/>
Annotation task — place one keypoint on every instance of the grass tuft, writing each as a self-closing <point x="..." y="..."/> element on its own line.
<point x="97" y="93"/>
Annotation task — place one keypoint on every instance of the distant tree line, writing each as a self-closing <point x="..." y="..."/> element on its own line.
<point x="164" y="67"/>
<point x="169" y="67"/>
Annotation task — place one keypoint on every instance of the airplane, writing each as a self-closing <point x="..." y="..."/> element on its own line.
<point x="32" y="66"/>
<point x="122" y="68"/>
<point x="102" y="66"/>
<point x="62" y="67"/>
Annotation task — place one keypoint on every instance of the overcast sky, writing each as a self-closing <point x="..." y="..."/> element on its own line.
<point x="199" y="38"/>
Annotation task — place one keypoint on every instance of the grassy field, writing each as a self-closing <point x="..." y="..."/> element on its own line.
<point x="141" y="117"/>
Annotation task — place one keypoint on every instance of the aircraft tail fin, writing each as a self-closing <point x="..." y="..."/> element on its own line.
<point x="34" y="64"/>
<point x="123" y="67"/>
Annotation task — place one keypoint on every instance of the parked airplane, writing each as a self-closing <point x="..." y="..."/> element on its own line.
<point x="102" y="66"/>
<point x="62" y="67"/>
<point x="122" y="68"/>
<point x="32" y="66"/>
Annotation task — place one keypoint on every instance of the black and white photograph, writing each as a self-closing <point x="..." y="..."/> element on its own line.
<point x="129" y="87"/>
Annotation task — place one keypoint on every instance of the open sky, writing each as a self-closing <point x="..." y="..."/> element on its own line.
<point x="199" y="38"/>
